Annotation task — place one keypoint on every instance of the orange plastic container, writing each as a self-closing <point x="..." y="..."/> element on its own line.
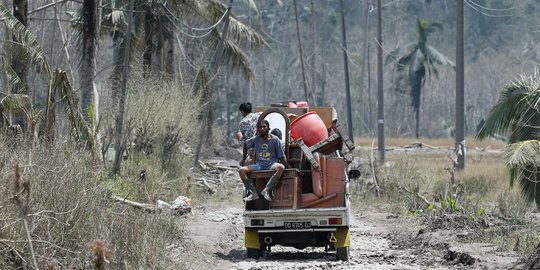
<point x="310" y="127"/>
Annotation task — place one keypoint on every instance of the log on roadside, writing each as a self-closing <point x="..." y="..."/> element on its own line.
<point x="144" y="206"/>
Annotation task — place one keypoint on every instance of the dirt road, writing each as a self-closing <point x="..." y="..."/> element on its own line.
<point x="214" y="240"/>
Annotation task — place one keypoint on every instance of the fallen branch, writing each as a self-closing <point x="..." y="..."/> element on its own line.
<point x="204" y="185"/>
<point x="143" y="206"/>
<point x="207" y="180"/>
<point x="419" y="145"/>
<point x="224" y="167"/>
<point x="221" y="177"/>
<point x="210" y="189"/>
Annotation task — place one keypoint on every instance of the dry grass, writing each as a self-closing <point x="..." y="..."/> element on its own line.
<point x="470" y="143"/>
<point x="74" y="223"/>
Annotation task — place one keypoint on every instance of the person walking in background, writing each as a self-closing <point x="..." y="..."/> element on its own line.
<point x="268" y="155"/>
<point x="248" y="124"/>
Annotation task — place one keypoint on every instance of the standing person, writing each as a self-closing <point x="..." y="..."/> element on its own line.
<point x="268" y="154"/>
<point x="248" y="124"/>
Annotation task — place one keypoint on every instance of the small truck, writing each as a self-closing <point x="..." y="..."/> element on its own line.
<point x="310" y="205"/>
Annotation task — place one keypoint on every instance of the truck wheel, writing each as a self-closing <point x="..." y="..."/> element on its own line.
<point x="253" y="253"/>
<point x="342" y="253"/>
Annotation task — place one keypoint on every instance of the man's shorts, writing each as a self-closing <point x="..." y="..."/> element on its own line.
<point x="259" y="167"/>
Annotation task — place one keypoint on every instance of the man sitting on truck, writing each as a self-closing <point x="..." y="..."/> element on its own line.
<point x="268" y="154"/>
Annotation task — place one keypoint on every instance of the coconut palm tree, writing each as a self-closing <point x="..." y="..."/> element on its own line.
<point x="25" y="51"/>
<point x="516" y="116"/>
<point x="30" y="51"/>
<point x="20" y="12"/>
<point x="414" y="62"/>
<point x="160" y="23"/>
<point x="89" y="34"/>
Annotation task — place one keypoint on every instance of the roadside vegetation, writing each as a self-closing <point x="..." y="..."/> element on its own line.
<point x="57" y="210"/>
<point x="420" y="185"/>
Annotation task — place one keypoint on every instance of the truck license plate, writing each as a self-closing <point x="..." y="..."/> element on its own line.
<point x="297" y="225"/>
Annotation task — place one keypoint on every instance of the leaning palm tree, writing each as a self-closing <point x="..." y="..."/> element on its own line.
<point x="30" y="51"/>
<point x="416" y="61"/>
<point x="516" y="116"/>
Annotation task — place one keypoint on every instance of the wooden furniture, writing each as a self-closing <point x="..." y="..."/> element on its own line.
<point x="314" y="180"/>
<point x="328" y="184"/>
<point x="333" y="143"/>
<point x="287" y="194"/>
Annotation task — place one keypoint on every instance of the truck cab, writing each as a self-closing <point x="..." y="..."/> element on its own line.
<point x="310" y="206"/>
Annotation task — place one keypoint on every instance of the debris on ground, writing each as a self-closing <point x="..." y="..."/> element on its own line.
<point x="144" y="206"/>
<point x="459" y="257"/>
<point x="213" y="173"/>
<point x="181" y="205"/>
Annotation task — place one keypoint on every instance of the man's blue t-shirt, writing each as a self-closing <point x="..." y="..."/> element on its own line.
<point x="267" y="152"/>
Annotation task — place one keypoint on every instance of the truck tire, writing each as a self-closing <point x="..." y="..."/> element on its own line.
<point x="253" y="253"/>
<point x="342" y="253"/>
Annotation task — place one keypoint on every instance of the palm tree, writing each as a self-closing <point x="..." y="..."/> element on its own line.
<point x="30" y="51"/>
<point x="25" y="51"/>
<point x="415" y="61"/>
<point x="88" y="64"/>
<point x="166" y="19"/>
<point x="159" y="32"/>
<point x="20" y="12"/>
<point x="516" y="117"/>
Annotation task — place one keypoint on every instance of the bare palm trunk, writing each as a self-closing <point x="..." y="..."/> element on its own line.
<point x="417" y="122"/>
<point x="20" y="11"/>
<point x="323" y="79"/>
<point x="168" y="54"/>
<point x="213" y="66"/>
<point x="313" y="69"/>
<point x="263" y="79"/>
<point x="370" y="98"/>
<point x="346" y="71"/>
<point x="460" y="92"/>
<point x="118" y="60"/>
<point x="122" y="95"/>
<point x="148" y="40"/>
<point x="228" y="100"/>
<point x="365" y="62"/>
<point x="88" y="67"/>
<point x="380" y="94"/>
<point x="300" y="51"/>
